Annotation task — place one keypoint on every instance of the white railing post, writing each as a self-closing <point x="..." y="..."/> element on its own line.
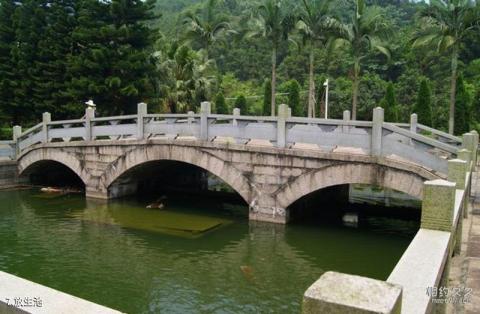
<point x="141" y="112"/>
<point x="469" y="143"/>
<point x="282" y="116"/>
<point x="346" y="117"/>
<point x="46" y="118"/>
<point x="377" y="125"/>
<point x="17" y="131"/>
<point x="413" y="122"/>
<point x="89" y="115"/>
<point x="236" y="114"/>
<point x="437" y="205"/>
<point x="205" y="109"/>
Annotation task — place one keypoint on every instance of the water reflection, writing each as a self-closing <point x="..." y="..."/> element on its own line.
<point x="125" y="256"/>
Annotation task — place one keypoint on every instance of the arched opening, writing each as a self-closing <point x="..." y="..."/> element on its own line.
<point x="51" y="173"/>
<point x="358" y="206"/>
<point x="172" y="183"/>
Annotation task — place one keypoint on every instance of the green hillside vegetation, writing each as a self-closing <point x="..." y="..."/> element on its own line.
<point x="406" y="56"/>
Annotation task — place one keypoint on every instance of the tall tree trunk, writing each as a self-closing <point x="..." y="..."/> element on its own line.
<point x="274" y="78"/>
<point x="453" y="90"/>
<point x="311" y="87"/>
<point x="355" y="83"/>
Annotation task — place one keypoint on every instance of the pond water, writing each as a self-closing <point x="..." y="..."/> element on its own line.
<point x="189" y="257"/>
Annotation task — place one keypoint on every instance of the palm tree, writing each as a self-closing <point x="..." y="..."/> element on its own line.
<point x="183" y="76"/>
<point x="273" y="22"/>
<point x="447" y="23"/>
<point x="206" y="27"/>
<point x="365" y="33"/>
<point x="315" y="26"/>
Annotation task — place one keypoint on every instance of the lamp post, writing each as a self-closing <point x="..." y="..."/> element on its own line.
<point x="326" y="98"/>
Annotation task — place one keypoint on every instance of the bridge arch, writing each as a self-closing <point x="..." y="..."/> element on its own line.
<point x="352" y="173"/>
<point x="33" y="157"/>
<point x="186" y="154"/>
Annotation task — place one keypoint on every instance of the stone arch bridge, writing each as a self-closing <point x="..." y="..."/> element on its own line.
<point x="270" y="161"/>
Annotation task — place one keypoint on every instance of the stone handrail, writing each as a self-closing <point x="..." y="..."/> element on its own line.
<point x="376" y="137"/>
<point x="424" y="266"/>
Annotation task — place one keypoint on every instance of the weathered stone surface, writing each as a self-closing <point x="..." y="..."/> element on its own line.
<point x="438" y="205"/>
<point x="342" y="293"/>
<point x="457" y="170"/>
<point x="268" y="178"/>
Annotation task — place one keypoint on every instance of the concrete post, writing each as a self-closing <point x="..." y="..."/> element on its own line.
<point x="190" y="118"/>
<point x="281" y="125"/>
<point x="46" y="118"/>
<point x="205" y="109"/>
<point x="465" y="154"/>
<point x="342" y="293"/>
<point x="346" y="117"/>
<point x="141" y="112"/>
<point x="413" y="122"/>
<point x="376" y="144"/>
<point x="457" y="171"/>
<point x="469" y="143"/>
<point x="236" y="113"/>
<point x="475" y="145"/>
<point x="437" y="205"/>
<point x="17" y="131"/>
<point x="89" y="115"/>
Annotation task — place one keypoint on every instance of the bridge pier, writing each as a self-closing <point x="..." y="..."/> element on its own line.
<point x="269" y="214"/>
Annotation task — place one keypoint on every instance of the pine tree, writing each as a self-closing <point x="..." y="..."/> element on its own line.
<point x="389" y="104"/>
<point x="110" y="63"/>
<point x="53" y="49"/>
<point x="220" y="105"/>
<point x="241" y="103"/>
<point x="423" y="106"/>
<point x="294" y="98"/>
<point x="267" y="97"/>
<point x="29" y="23"/>
<point x="7" y="66"/>
<point x="462" y="116"/>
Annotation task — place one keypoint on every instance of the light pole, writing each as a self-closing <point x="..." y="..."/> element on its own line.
<point x="326" y="98"/>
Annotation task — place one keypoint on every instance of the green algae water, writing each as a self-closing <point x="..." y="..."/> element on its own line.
<point x="186" y="258"/>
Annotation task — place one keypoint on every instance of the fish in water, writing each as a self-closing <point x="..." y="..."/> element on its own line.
<point x="247" y="272"/>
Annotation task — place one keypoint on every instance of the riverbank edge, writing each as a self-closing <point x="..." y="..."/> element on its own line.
<point x="19" y="295"/>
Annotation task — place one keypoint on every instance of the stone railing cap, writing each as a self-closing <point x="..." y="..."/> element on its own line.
<point x="355" y="291"/>
<point x="440" y="182"/>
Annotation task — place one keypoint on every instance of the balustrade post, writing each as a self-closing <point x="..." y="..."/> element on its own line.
<point x="89" y="115"/>
<point x="475" y="145"/>
<point x="466" y="155"/>
<point x="457" y="172"/>
<point x="413" y="122"/>
<point x="236" y="114"/>
<point x="282" y="116"/>
<point x="141" y="112"/>
<point x="346" y="117"/>
<point x="437" y="205"/>
<point x="46" y="118"/>
<point x="205" y="109"/>
<point x="17" y="131"/>
<point x="469" y="143"/>
<point x="190" y="118"/>
<point x="377" y="125"/>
